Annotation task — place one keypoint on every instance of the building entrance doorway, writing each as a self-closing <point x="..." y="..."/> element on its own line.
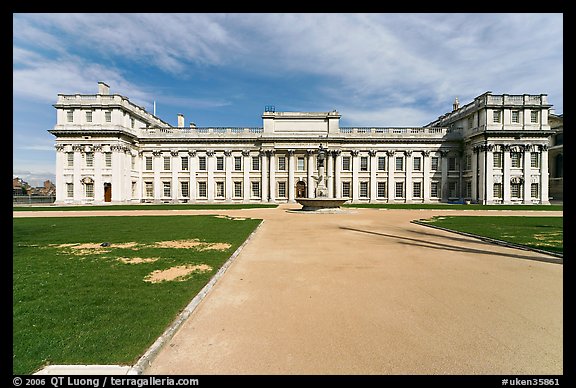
<point x="300" y="189"/>
<point x="107" y="192"/>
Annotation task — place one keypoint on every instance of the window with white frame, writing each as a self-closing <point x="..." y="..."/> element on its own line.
<point x="399" y="192"/>
<point x="381" y="189"/>
<point x="434" y="189"/>
<point x="345" y="163"/>
<point x="133" y="162"/>
<point x="516" y="159"/>
<point x="88" y="116"/>
<point x="468" y="193"/>
<point x="238" y="189"/>
<point x="497" y="192"/>
<point x="166" y="189"/>
<point x="417" y="189"/>
<point x="89" y="190"/>
<point x="255" y="163"/>
<point x="452" y="164"/>
<point x="470" y="122"/>
<point x="346" y="189"/>
<point x="237" y="163"/>
<point x="468" y="162"/>
<point x="219" y="189"/>
<point x="202" y="163"/>
<point x="149" y="189"/>
<point x="202" y="192"/>
<point x="148" y="163"/>
<point x="134" y="185"/>
<point x="89" y="157"/>
<point x="166" y="163"/>
<point x="453" y="189"/>
<point x="417" y="163"/>
<point x="534" y="190"/>
<point x="434" y="163"/>
<point x="399" y="163"/>
<point x="515" y="116"/>
<point x="534" y="160"/>
<point x="185" y="189"/>
<point x="255" y="189"/>
<point x="282" y="189"/>
<point x="281" y="163"/>
<point x="382" y="163"/>
<point x="219" y="163"/>
<point x="497" y="160"/>
<point x="363" y="189"/>
<point x="70" y="158"/>
<point x="70" y="190"/>
<point x="70" y="116"/>
<point x="108" y="159"/>
<point x="363" y="163"/>
<point x="300" y="164"/>
<point x="496" y="116"/>
<point x="533" y="116"/>
<point x="108" y="116"/>
<point x="515" y="190"/>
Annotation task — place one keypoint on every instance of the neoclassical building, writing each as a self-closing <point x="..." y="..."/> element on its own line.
<point x="493" y="150"/>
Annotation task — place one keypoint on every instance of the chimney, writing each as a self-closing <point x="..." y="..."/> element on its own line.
<point x="103" y="88"/>
<point x="456" y="104"/>
<point x="180" y="120"/>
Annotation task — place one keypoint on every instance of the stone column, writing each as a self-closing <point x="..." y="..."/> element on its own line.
<point x="337" y="169"/>
<point x="391" y="166"/>
<point x="228" y="167"/>
<point x="192" y="164"/>
<point x="174" y="189"/>
<point x="272" y="156"/>
<point x="247" y="161"/>
<point x="140" y="184"/>
<point x="77" y="177"/>
<point x="408" y="185"/>
<point x="61" y="190"/>
<point x="156" y="167"/>
<point x="330" y="173"/>
<point x="373" y="169"/>
<point x="210" y="184"/>
<point x="488" y="181"/>
<point x="506" y="174"/>
<point x="527" y="168"/>
<point x="426" y="175"/>
<point x="310" y="181"/>
<point x="544" y="175"/>
<point x="291" y="184"/>
<point x="475" y="155"/>
<point x="264" y="172"/>
<point x="98" y="180"/>
<point x="444" y="169"/>
<point x="355" y="168"/>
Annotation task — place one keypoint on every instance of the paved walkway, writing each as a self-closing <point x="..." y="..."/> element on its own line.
<point x="367" y="292"/>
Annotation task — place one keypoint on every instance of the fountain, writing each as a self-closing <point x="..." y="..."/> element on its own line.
<point x="322" y="202"/>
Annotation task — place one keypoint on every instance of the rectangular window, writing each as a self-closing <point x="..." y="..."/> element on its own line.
<point x="345" y="163"/>
<point x="282" y="189"/>
<point x="497" y="157"/>
<point x="166" y="189"/>
<point x="281" y="163"/>
<point x="88" y="116"/>
<point x="202" y="163"/>
<point x="301" y="164"/>
<point x="470" y="122"/>
<point x="468" y="162"/>
<point x="133" y="162"/>
<point x="132" y="122"/>
<point x="255" y="163"/>
<point x="220" y="189"/>
<point x="149" y="189"/>
<point x="237" y="189"/>
<point x="497" y="190"/>
<point x="148" y="163"/>
<point x="108" y="116"/>
<point x="515" y="116"/>
<point x="70" y="190"/>
<point x="256" y="189"/>
<point x="452" y="164"/>
<point x="399" y="190"/>
<point x="89" y="190"/>
<point x="417" y="189"/>
<point x="184" y="163"/>
<point x="381" y="189"/>
<point x="69" y="116"/>
<point x="219" y="163"/>
<point x="89" y="159"/>
<point x="134" y="189"/>
<point x="185" y="189"/>
<point x="166" y="163"/>
<point x="533" y="116"/>
<point x="417" y="163"/>
<point x="453" y="189"/>
<point x="468" y="189"/>
<point x="346" y="189"/>
<point x="70" y="157"/>
<point x="382" y="163"/>
<point x="108" y="159"/>
<point x="534" y="160"/>
<point x="496" y="116"/>
<point x="515" y="190"/>
<point x="399" y="163"/>
<point x="363" y="163"/>
<point x="534" y="190"/>
<point x="202" y="190"/>
<point x="434" y="163"/>
<point x="516" y="159"/>
<point x="237" y="163"/>
<point x="364" y="189"/>
<point x="434" y="189"/>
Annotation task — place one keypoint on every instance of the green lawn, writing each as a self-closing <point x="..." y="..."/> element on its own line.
<point x="545" y="233"/>
<point x="81" y="304"/>
<point x="163" y="206"/>
<point x="447" y="206"/>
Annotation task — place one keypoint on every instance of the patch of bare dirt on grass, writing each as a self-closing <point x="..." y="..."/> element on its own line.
<point x="137" y="260"/>
<point x="192" y="243"/>
<point x="179" y="273"/>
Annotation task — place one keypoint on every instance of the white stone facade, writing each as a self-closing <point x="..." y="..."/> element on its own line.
<point x="493" y="150"/>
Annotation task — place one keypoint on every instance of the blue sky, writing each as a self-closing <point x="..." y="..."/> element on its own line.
<point x="400" y="69"/>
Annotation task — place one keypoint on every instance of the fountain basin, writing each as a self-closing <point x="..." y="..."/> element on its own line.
<point x="319" y="204"/>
